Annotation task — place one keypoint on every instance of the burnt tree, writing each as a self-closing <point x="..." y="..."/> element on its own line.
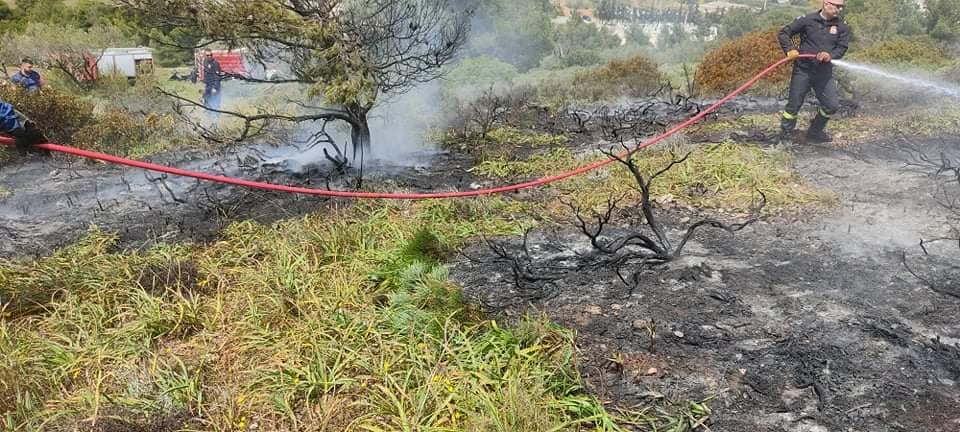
<point x="630" y="250"/>
<point x="347" y="54"/>
<point x="651" y="244"/>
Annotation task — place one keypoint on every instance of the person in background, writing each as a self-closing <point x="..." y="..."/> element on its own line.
<point x="212" y="75"/>
<point x="825" y="34"/>
<point x="27" y="78"/>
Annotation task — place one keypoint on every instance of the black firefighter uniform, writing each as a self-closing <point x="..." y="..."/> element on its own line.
<point x="816" y="35"/>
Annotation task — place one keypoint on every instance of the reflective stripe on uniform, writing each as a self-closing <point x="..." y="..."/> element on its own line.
<point x="788" y="116"/>
<point x="823" y="113"/>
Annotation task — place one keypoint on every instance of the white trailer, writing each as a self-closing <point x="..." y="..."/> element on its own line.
<point x="127" y="62"/>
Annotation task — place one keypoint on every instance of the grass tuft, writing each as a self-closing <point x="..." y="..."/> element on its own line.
<point x="341" y="321"/>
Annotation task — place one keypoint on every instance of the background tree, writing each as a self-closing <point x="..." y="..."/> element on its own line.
<point x="880" y="20"/>
<point x="943" y="20"/>
<point x="739" y="22"/>
<point x="349" y="54"/>
<point x="577" y="35"/>
<point x="518" y="32"/>
<point x="64" y="49"/>
<point x="637" y="37"/>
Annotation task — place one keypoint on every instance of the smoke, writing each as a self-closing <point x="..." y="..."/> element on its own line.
<point x="399" y="130"/>
<point x="514" y="31"/>
<point x="399" y="127"/>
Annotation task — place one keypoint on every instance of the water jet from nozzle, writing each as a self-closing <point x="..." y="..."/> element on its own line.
<point x="941" y="87"/>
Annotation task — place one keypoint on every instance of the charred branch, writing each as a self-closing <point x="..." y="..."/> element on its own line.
<point x="528" y="274"/>
<point x="945" y="286"/>
<point x="641" y="248"/>
<point x="941" y="162"/>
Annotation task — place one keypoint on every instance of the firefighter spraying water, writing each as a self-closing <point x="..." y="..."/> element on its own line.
<point x="824" y="34"/>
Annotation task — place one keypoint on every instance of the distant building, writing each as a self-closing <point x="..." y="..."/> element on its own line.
<point x="719" y="5"/>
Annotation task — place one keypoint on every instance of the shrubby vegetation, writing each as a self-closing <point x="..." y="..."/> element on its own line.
<point x="346" y="320"/>
<point x="738" y="60"/>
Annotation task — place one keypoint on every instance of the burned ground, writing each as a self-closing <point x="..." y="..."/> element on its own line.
<point x="52" y="202"/>
<point x="807" y="321"/>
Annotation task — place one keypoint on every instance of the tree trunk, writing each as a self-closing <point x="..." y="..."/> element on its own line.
<point x="360" y="136"/>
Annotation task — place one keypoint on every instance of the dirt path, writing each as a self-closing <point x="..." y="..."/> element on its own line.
<point x="802" y="325"/>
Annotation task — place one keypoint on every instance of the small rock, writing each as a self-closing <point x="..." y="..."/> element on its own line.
<point x="678" y="334"/>
<point x="684" y="220"/>
<point x="475" y="186"/>
<point x="594" y="310"/>
<point x="616" y="307"/>
<point x="651" y="371"/>
<point x="664" y="199"/>
<point x="640" y="324"/>
<point x="742" y="371"/>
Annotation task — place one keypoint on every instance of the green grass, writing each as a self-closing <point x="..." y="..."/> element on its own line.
<point x="724" y="176"/>
<point x="503" y="143"/>
<point x="339" y="321"/>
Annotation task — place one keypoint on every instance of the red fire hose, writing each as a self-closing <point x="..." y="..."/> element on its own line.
<point x="405" y="196"/>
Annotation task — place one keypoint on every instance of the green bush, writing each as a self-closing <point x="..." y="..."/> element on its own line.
<point x="477" y="73"/>
<point x="739" y="22"/>
<point x="70" y="120"/>
<point x="581" y="57"/>
<point x="943" y="20"/>
<point x="915" y="52"/>
<point x="123" y="134"/>
<point x="636" y="76"/>
<point x="59" y="115"/>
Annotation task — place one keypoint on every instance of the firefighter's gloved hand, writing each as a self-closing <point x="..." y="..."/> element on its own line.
<point x="27" y="138"/>
<point x="824" y="57"/>
<point x="792" y="54"/>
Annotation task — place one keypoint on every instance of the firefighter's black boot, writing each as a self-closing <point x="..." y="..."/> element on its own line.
<point x="788" y="122"/>
<point x="816" y="134"/>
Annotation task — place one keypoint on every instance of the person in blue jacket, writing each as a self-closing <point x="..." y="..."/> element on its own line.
<point x="24" y="131"/>
<point x="26" y="77"/>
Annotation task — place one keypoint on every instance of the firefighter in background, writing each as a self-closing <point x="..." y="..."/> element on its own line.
<point x="212" y="75"/>
<point x="826" y="35"/>
<point x="24" y="131"/>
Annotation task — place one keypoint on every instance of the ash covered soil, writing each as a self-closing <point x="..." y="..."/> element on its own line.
<point x="809" y="323"/>
<point x="51" y="202"/>
<point x="803" y="323"/>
